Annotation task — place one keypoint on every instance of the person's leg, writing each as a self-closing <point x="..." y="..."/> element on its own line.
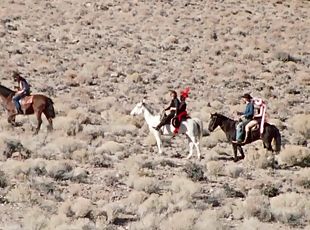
<point x="247" y="128"/>
<point x="164" y="121"/>
<point x="16" y="99"/>
<point x="239" y="132"/>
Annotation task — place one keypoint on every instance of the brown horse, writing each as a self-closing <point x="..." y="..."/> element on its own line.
<point x="33" y="104"/>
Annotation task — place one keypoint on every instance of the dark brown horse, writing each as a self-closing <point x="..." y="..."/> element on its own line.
<point x="33" y="104"/>
<point x="228" y="125"/>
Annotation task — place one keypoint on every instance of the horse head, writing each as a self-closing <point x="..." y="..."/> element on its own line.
<point x="138" y="109"/>
<point x="214" y="122"/>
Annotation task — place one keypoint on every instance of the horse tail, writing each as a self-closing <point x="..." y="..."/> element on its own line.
<point x="50" y="108"/>
<point x="277" y="139"/>
<point x="199" y="126"/>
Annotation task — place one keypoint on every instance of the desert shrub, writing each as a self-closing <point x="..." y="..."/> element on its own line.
<point x="35" y="218"/>
<point x="11" y="146"/>
<point x="301" y="124"/>
<point x="302" y="178"/>
<point x="257" y="206"/>
<point x="194" y="171"/>
<point x="184" y="187"/>
<point x="22" y="193"/>
<point x="253" y="223"/>
<point x="109" y="147"/>
<point x="233" y="170"/>
<point x="294" y="155"/>
<point x="82" y="207"/>
<point x="93" y="131"/>
<point x="270" y="190"/>
<point x="208" y="219"/>
<point x="181" y="220"/>
<point x="149" y="221"/>
<point x="3" y="180"/>
<point x="215" y="168"/>
<point x="231" y="192"/>
<point x="290" y="208"/>
<point x="100" y="160"/>
<point x="260" y="159"/>
<point x="146" y="184"/>
<point x="58" y="170"/>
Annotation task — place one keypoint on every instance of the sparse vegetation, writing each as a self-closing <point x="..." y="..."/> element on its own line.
<point x="99" y="168"/>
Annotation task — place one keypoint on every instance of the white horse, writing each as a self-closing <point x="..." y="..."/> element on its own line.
<point x="192" y="127"/>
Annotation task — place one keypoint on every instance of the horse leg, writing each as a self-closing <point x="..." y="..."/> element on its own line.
<point x="50" y="122"/>
<point x="191" y="146"/>
<point x="241" y="152"/>
<point x="235" y="152"/>
<point x="11" y="119"/>
<point x="158" y="141"/>
<point x="39" y="119"/>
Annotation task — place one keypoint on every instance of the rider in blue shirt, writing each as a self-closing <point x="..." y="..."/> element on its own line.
<point x="245" y="117"/>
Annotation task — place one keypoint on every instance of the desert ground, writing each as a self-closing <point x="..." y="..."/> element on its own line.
<point x="100" y="168"/>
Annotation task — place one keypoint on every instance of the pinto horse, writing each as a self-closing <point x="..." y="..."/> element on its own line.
<point x="191" y="127"/>
<point x="229" y="127"/>
<point x="34" y="104"/>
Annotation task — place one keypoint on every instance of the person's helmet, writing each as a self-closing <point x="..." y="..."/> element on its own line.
<point x="16" y="75"/>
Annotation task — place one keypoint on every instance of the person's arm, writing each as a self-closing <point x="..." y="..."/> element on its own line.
<point x="249" y="111"/>
<point x="171" y="105"/>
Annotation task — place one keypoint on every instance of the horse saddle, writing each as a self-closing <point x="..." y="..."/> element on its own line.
<point x="26" y="102"/>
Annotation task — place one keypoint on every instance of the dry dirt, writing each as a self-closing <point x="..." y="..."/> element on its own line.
<point x="99" y="169"/>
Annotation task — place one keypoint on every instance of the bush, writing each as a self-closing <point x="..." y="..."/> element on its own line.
<point x="302" y="178"/>
<point x="182" y="220"/>
<point x="300" y="123"/>
<point x="3" y="180"/>
<point x="294" y="155"/>
<point x="194" y="172"/>
<point x="290" y="208"/>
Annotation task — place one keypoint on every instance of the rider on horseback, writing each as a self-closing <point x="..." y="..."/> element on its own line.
<point x="182" y="113"/>
<point x="258" y="119"/>
<point x="173" y="107"/>
<point x="23" y="90"/>
<point x="245" y="118"/>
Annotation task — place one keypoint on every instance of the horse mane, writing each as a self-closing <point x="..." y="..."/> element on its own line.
<point x="147" y="107"/>
<point x="5" y="91"/>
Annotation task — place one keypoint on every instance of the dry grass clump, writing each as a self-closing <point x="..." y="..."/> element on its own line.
<point x="3" y="180"/>
<point x="146" y="184"/>
<point x="253" y="223"/>
<point x="208" y="219"/>
<point x="109" y="147"/>
<point x="81" y="207"/>
<point x="260" y="159"/>
<point x="300" y="123"/>
<point x="291" y="208"/>
<point x="59" y="170"/>
<point x="22" y="193"/>
<point x="78" y="208"/>
<point x="215" y="168"/>
<point x="194" y="171"/>
<point x="35" y="218"/>
<point x="10" y="146"/>
<point x="149" y="221"/>
<point x="257" y="206"/>
<point x="302" y="178"/>
<point x="181" y="220"/>
<point x="294" y="155"/>
<point x="233" y="170"/>
<point x="93" y="131"/>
